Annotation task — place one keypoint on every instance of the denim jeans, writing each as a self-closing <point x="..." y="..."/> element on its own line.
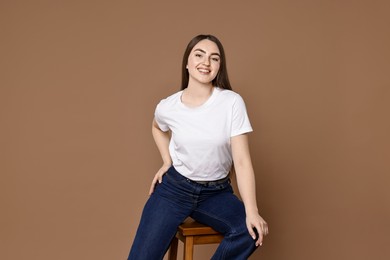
<point x="174" y="200"/>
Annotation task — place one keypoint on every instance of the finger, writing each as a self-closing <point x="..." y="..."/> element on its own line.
<point x="266" y="231"/>
<point x="265" y="228"/>
<point x="259" y="241"/>
<point x="151" y="189"/>
<point x="251" y="232"/>
<point x="260" y="231"/>
<point x="152" y="186"/>
<point x="160" y="174"/>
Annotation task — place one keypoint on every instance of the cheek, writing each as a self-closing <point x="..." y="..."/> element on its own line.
<point x="217" y="68"/>
<point x="190" y="64"/>
<point x="191" y="60"/>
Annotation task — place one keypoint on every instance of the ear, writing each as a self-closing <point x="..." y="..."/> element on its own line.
<point x="187" y="66"/>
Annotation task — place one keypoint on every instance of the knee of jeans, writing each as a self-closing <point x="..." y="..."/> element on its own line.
<point x="242" y="239"/>
<point x="238" y="231"/>
<point x="246" y="240"/>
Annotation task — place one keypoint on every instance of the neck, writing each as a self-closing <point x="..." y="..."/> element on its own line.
<point x="196" y="95"/>
<point x="197" y="89"/>
<point x="198" y="92"/>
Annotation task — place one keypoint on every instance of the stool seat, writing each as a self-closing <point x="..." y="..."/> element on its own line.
<point x="193" y="233"/>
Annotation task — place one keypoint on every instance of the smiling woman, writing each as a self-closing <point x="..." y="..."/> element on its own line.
<point x="221" y="80"/>
<point x="200" y="131"/>
<point x="203" y="63"/>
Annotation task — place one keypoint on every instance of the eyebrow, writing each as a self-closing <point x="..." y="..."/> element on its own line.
<point x="214" y="53"/>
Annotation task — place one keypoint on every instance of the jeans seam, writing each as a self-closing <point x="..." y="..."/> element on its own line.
<point x="217" y="218"/>
<point x="232" y="231"/>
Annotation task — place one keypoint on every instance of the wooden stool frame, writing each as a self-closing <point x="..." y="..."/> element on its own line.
<point x="193" y="233"/>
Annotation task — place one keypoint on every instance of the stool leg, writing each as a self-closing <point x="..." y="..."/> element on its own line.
<point x="188" y="248"/>
<point x="173" y="250"/>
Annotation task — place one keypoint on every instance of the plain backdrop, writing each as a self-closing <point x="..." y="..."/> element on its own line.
<point x="79" y="84"/>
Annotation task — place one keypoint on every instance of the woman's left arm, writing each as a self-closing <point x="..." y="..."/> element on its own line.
<point x="247" y="187"/>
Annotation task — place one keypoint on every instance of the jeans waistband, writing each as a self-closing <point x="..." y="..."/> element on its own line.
<point x="211" y="183"/>
<point x="204" y="183"/>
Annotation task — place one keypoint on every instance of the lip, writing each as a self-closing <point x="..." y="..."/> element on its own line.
<point x="204" y="70"/>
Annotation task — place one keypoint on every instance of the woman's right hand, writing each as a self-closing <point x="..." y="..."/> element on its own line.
<point x="158" y="177"/>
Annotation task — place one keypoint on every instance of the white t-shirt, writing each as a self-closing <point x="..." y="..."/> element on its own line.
<point x="200" y="144"/>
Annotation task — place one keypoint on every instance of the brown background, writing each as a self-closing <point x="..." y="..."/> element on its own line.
<point x="80" y="81"/>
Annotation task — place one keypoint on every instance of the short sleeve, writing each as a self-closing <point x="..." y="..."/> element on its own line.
<point x="158" y="116"/>
<point x="240" y="119"/>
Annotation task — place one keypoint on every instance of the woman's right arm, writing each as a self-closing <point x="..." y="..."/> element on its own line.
<point x="161" y="139"/>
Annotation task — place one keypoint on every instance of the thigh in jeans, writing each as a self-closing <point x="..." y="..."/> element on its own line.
<point x="222" y="211"/>
<point x="160" y="218"/>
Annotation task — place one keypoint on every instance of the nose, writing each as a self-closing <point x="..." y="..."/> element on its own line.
<point x="207" y="61"/>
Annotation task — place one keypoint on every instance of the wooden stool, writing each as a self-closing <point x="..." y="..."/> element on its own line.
<point x="193" y="233"/>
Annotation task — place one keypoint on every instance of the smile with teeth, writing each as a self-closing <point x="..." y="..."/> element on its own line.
<point x="205" y="71"/>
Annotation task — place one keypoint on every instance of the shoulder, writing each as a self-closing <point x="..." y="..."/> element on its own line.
<point x="170" y="100"/>
<point x="229" y="95"/>
<point x="227" y="92"/>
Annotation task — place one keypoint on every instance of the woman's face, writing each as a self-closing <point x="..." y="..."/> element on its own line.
<point x="203" y="62"/>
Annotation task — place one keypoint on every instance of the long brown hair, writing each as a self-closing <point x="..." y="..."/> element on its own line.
<point x="222" y="79"/>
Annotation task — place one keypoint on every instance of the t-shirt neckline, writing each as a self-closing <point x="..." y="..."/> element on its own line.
<point x="202" y="106"/>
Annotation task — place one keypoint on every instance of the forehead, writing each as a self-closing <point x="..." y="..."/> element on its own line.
<point x="207" y="46"/>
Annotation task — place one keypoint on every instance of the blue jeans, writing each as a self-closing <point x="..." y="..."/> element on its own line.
<point x="174" y="200"/>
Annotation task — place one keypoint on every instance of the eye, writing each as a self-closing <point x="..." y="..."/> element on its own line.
<point x="215" y="59"/>
<point x="198" y="55"/>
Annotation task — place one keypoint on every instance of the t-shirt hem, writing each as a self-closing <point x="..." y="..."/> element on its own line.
<point x="243" y="131"/>
<point x="164" y="129"/>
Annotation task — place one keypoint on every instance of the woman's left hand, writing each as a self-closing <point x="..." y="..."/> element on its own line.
<point x="255" y="221"/>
